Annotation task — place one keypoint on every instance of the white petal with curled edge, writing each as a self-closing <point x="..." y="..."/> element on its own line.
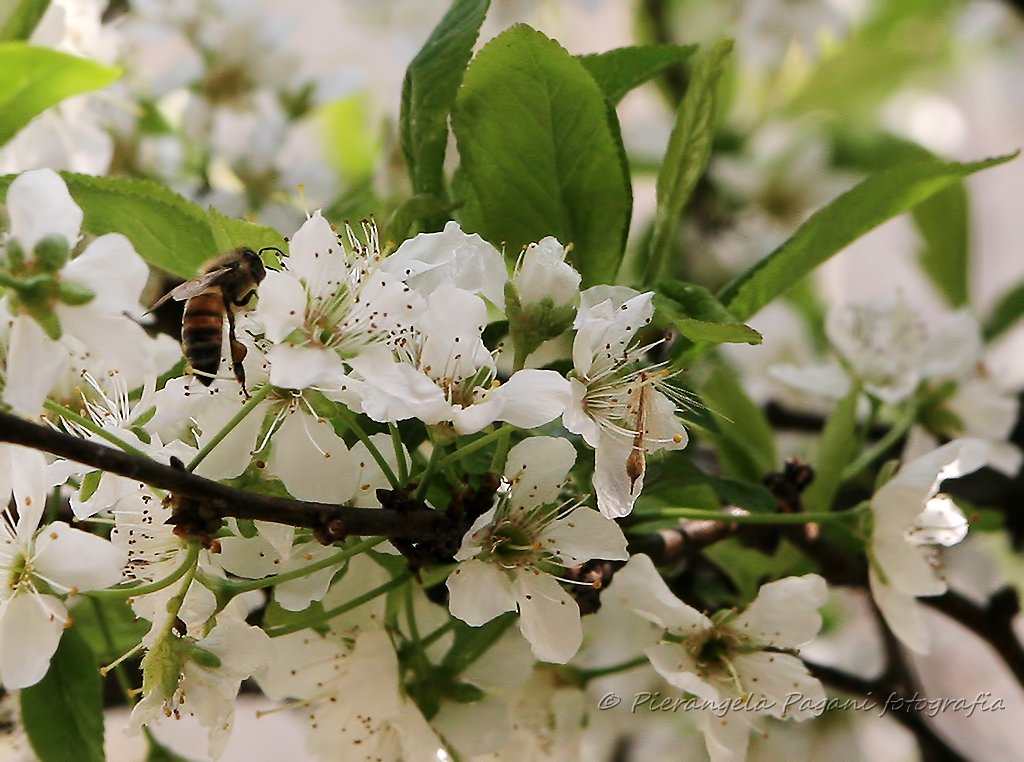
<point x="450" y="256"/>
<point x="30" y="630"/>
<point x="549" y="617"/>
<point x="249" y="557"/>
<point x="785" y="612"/>
<point x="282" y="305"/>
<point x="34" y="363"/>
<point x="674" y="663"/>
<point x="115" y="274"/>
<point x="530" y="398"/>
<point x="71" y="558"/>
<point x="294" y="367"/>
<point x="906" y="566"/>
<point x="479" y="592"/>
<point x="585" y="534"/>
<point x="395" y="391"/>
<point x="471" y="542"/>
<point x="616" y="490"/>
<point x="38" y="205"/>
<point x="940" y="523"/>
<point x="779" y="677"/>
<point x="575" y="417"/>
<point x="316" y="257"/>
<point x="639" y="586"/>
<point x="953" y="459"/>
<point x="902" y="613"/>
<point x="312" y="460"/>
<point x="537" y="468"/>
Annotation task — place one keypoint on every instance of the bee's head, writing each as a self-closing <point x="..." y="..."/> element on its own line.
<point x="254" y="264"/>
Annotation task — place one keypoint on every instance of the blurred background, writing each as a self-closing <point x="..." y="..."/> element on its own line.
<point x="269" y="109"/>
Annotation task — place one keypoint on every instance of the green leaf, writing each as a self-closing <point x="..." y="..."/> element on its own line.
<point x="754" y="497"/>
<point x="745" y="439"/>
<point x="63" y="713"/>
<point x="541" y="149"/>
<point x="619" y="71"/>
<point x="166" y="230"/>
<point x="428" y="92"/>
<point x="699" y="316"/>
<point x="943" y="223"/>
<point x="1008" y="310"/>
<point x="877" y="199"/>
<point x="687" y="154"/>
<point x="33" y="79"/>
<point x="21" y="19"/>
<point x="118" y="632"/>
<point x="837" y="448"/>
<point x="230" y="233"/>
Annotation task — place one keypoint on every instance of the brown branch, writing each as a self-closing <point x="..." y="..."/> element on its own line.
<point x="329" y="522"/>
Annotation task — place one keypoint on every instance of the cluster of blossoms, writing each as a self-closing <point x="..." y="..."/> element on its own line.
<point x="372" y="374"/>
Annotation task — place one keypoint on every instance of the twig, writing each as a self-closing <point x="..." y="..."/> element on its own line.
<point x="329" y="521"/>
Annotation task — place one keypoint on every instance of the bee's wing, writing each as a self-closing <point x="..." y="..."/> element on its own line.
<point x="191" y="288"/>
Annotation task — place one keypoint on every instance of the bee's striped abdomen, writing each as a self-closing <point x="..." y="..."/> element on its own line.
<point x="202" y="333"/>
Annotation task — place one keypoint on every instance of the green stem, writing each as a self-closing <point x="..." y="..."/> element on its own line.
<point x="879" y="448"/>
<point x="108" y="638"/>
<point x="309" y="621"/>
<point x="228" y="427"/>
<point x="396" y="442"/>
<point x="189" y="564"/>
<point x="350" y="420"/>
<point x="747" y="518"/>
<point x="236" y="588"/>
<point x="88" y="423"/>
<point x="467" y="449"/>
<point x="435" y="458"/>
<point x="437" y="634"/>
<point x="586" y="675"/>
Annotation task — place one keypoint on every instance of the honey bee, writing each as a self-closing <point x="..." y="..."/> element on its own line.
<point x="225" y="282"/>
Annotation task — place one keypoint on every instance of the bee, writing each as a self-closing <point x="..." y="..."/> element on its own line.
<point x="225" y="282"/>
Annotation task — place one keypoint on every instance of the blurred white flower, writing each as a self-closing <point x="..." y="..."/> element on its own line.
<point x="911" y="516"/>
<point x="747" y="657"/>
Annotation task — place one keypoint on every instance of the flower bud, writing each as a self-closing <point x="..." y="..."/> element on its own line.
<point x="540" y="300"/>
<point x="52" y="253"/>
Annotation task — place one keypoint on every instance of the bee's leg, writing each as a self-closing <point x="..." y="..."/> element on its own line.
<point x="238" y="352"/>
<point x="245" y="299"/>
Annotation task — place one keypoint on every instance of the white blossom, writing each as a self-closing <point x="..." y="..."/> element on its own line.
<point x="510" y="555"/>
<point x="748" y="656"/>
<point x="623" y="411"/>
<point x="911" y="517"/>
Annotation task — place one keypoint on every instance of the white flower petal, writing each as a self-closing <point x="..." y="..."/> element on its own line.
<point x="585" y="534"/>
<point x="111" y="269"/>
<point x="785" y="612"/>
<point x="777" y="676"/>
<point x="312" y="460"/>
<point x="548" y="617"/>
<point x="39" y="205"/>
<point x="478" y="592"/>
<point x="282" y="304"/>
<point x="674" y="663"/>
<point x="537" y="468"/>
<point x="615" y="488"/>
<point x="75" y="559"/>
<point x="544" y="274"/>
<point x="639" y="586"/>
<point x="316" y="257"/>
<point x="530" y="398"/>
<point x="450" y="256"/>
<point x="34" y="363"/>
<point x="294" y="367"/>
<point x="30" y="630"/>
<point x="28" y="484"/>
<point x="902" y="613"/>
